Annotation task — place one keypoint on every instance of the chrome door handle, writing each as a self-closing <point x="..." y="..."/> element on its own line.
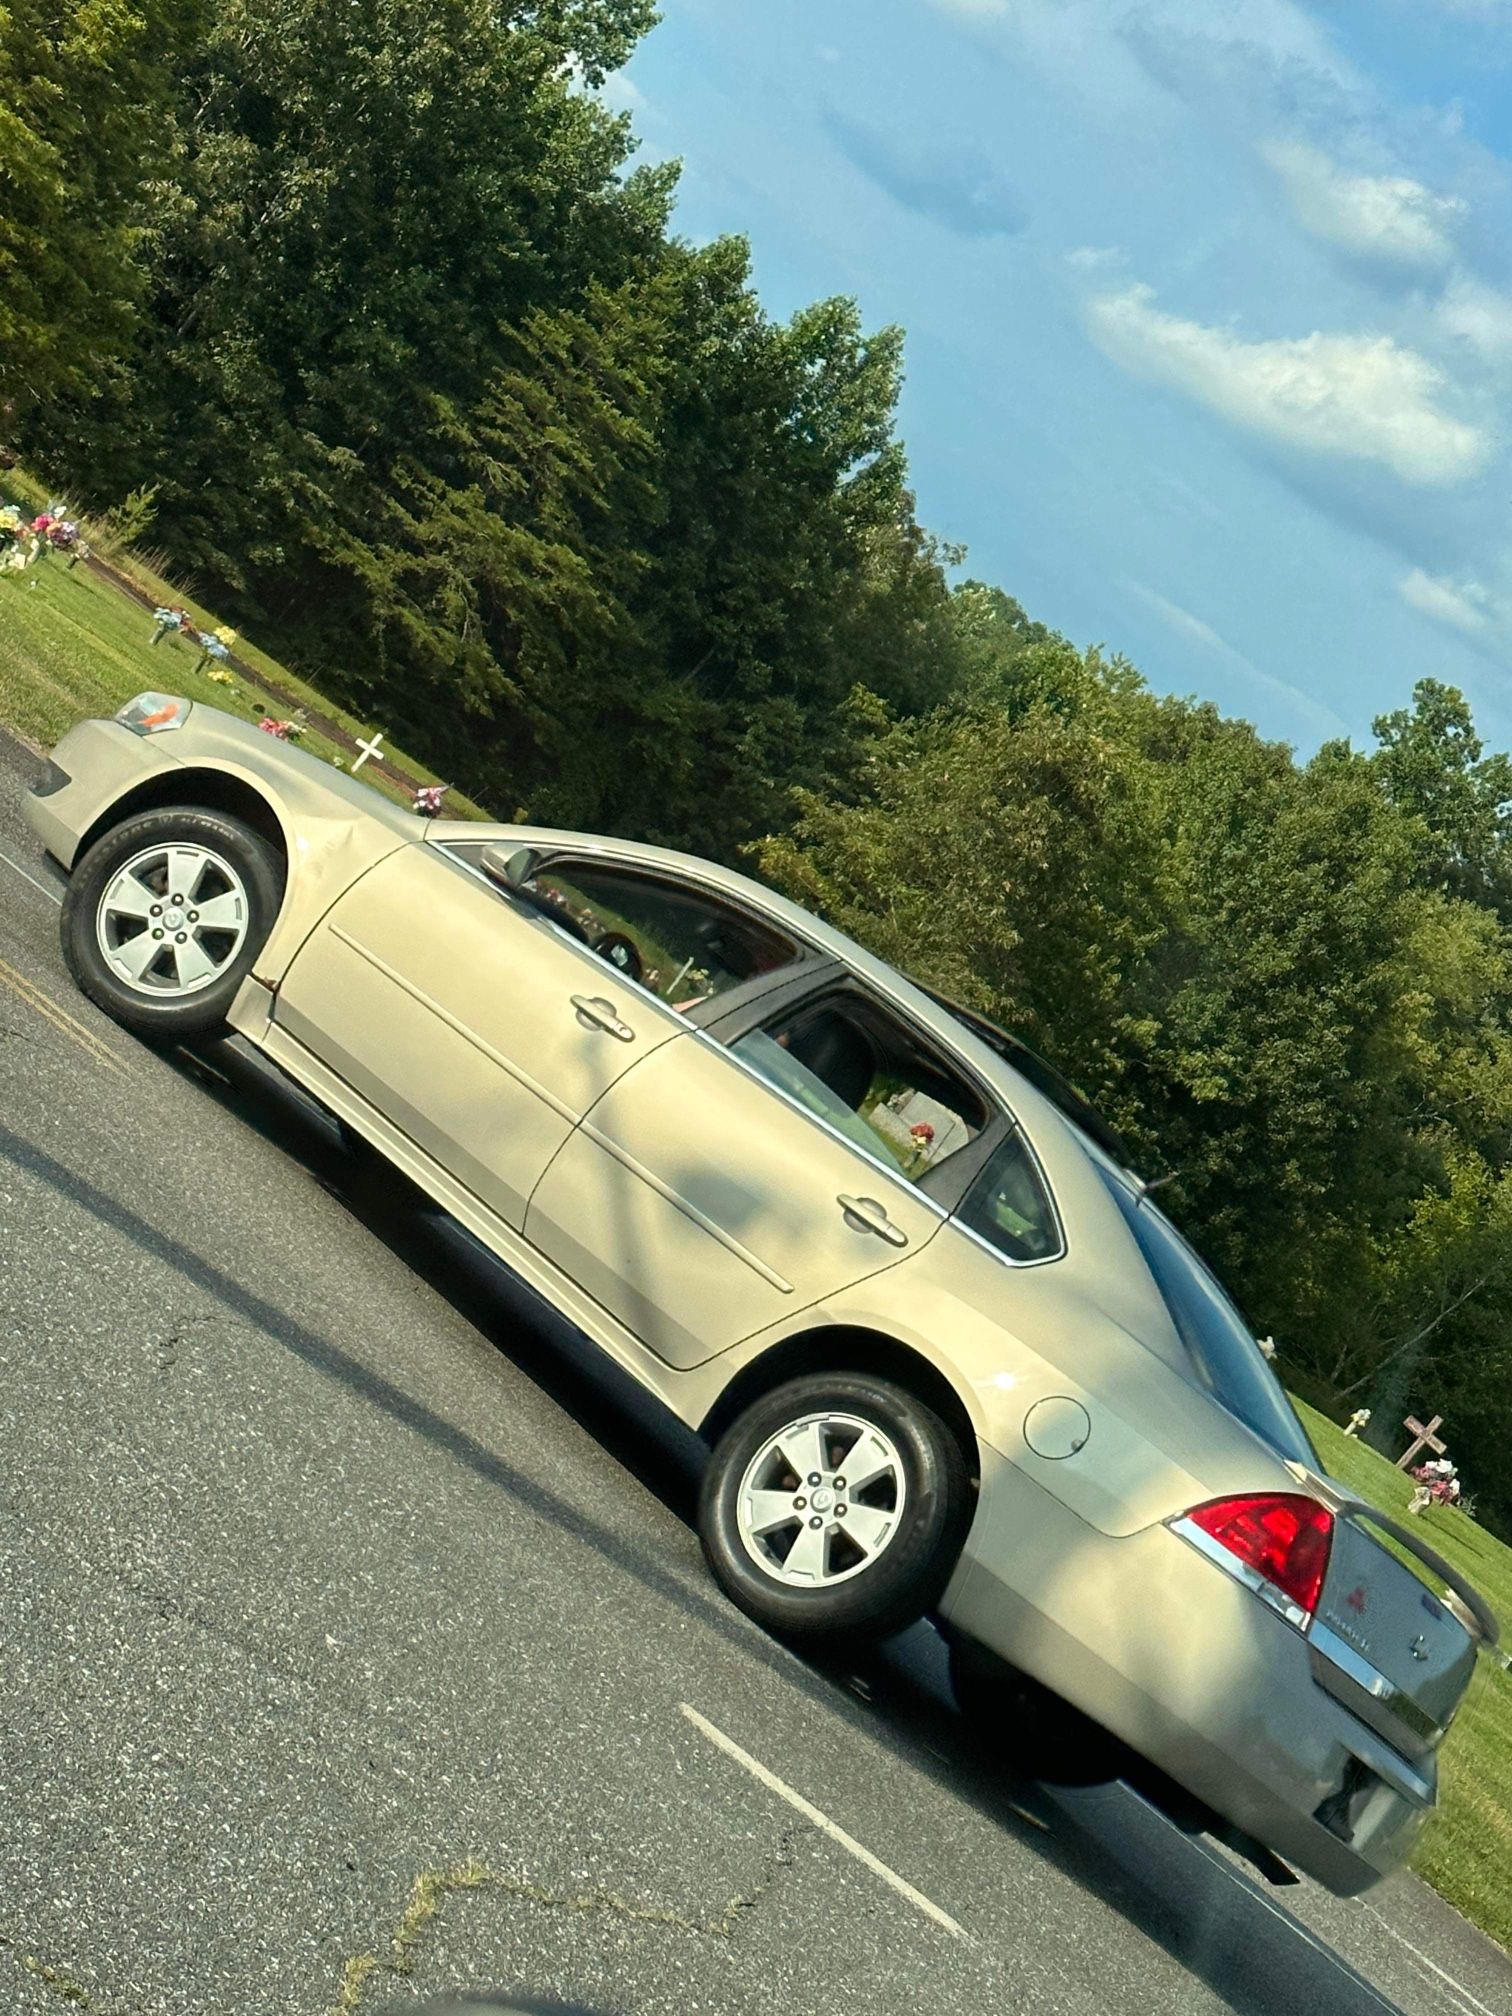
<point x="865" y="1214"/>
<point x="599" y="1014"/>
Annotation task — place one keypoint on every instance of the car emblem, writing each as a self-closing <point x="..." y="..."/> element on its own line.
<point x="1419" y="1648"/>
<point x="1357" y="1599"/>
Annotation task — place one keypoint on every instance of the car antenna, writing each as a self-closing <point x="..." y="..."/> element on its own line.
<point x="1155" y="1183"/>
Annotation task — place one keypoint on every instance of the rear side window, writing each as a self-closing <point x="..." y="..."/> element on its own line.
<point x="1221" y="1345"/>
<point x="1010" y="1207"/>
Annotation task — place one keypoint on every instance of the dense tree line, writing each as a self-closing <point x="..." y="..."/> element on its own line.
<point x="434" y="401"/>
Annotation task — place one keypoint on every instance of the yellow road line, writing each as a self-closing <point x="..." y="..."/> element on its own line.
<point x="60" y="1018"/>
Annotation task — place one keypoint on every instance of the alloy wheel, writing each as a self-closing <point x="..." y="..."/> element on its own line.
<point x="172" y="919"/>
<point x="821" y="1500"/>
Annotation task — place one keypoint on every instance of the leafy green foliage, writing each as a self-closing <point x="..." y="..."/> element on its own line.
<point x="86" y="121"/>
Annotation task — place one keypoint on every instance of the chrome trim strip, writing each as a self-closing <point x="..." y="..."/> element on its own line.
<point x="1213" y="1550"/>
<point x="505" y="1064"/>
<point x="1328" y="1649"/>
<point x="680" y="1203"/>
<point x="1007" y="1259"/>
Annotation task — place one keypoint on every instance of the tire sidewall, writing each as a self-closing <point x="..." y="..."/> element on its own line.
<point x="199" y="1014"/>
<point x="909" y="1575"/>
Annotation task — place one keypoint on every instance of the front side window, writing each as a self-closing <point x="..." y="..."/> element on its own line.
<point x="868" y="1077"/>
<point x="1009" y="1206"/>
<point x="682" y="944"/>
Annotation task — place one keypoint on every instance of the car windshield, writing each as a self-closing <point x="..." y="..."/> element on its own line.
<point x="1221" y="1344"/>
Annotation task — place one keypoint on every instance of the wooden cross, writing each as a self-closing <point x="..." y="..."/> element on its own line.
<point x="1426" y="1438"/>
<point x="367" y="749"/>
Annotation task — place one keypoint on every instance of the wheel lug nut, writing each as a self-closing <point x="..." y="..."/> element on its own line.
<point x="839" y="1511"/>
<point x="158" y="932"/>
<point x="157" y="909"/>
<point x="816" y="1522"/>
<point x="839" y="1483"/>
<point x="180" y="937"/>
<point x="800" y="1504"/>
<point x="194" y="916"/>
<point x="813" y="1476"/>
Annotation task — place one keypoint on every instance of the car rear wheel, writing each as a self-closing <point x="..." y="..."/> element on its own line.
<point x="1029" y="1730"/>
<point x="164" y="917"/>
<point x="834" y="1508"/>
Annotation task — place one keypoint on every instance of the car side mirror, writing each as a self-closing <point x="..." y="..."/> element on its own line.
<point x="510" y="867"/>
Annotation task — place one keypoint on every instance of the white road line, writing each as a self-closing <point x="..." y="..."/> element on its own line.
<point x="821" y="1820"/>
<point x="1471" y="2001"/>
<point x="1258" y="1896"/>
<point x="26" y="876"/>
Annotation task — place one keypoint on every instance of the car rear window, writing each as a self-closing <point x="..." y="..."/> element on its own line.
<point x="1228" y="1361"/>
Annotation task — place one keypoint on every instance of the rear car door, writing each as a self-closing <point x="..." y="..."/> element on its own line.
<point x="776" y="1157"/>
<point x="481" y="1020"/>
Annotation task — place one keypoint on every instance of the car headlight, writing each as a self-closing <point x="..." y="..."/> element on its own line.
<point x="154" y="713"/>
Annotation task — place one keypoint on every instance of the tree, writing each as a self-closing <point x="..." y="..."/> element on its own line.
<point x="86" y="123"/>
<point x="1432" y="766"/>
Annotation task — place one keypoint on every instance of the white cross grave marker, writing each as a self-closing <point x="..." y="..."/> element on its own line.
<point x="367" y="749"/>
<point x="1426" y="1437"/>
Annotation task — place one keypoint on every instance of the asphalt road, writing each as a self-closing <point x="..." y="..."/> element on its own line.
<point x="349" y="1608"/>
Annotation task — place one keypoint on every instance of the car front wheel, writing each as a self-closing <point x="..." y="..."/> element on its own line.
<point x="164" y="916"/>
<point x="834" y="1508"/>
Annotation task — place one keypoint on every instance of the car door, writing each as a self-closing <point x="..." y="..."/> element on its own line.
<point x="767" y="1162"/>
<point x="481" y="1024"/>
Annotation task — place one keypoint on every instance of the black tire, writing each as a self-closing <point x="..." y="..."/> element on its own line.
<point x="907" y="1574"/>
<point x="1031" y="1732"/>
<point x="173" y="1018"/>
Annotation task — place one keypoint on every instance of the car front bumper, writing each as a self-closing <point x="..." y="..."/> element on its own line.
<point x="1184" y="1665"/>
<point x="98" y="761"/>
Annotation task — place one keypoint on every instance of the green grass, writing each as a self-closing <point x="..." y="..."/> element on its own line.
<point x="1466" y="1851"/>
<point x="72" y="645"/>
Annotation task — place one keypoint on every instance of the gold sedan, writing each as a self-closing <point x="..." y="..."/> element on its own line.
<point x="949" y="1358"/>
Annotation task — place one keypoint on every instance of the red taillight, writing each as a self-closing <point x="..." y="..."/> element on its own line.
<point x="1283" y="1536"/>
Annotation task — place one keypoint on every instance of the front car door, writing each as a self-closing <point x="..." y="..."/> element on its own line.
<point x="779" y="1155"/>
<point x="485" y="1020"/>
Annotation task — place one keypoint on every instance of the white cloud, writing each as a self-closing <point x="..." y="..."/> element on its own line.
<point x="1384" y="217"/>
<point x="1321" y="719"/>
<point x="1463" y="605"/>
<point x="1094" y="258"/>
<point x="1477" y="315"/>
<point x="971" y="10"/>
<point x="1366" y="398"/>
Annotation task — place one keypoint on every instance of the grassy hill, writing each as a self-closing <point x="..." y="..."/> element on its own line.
<point x="1466" y="1852"/>
<point x="74" y="643"/>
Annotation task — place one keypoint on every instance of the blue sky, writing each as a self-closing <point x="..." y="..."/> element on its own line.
<point x="1208" y="303"/>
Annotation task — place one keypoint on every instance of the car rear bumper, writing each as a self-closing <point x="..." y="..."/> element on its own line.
<point x="97" y="761"/>
<point x="1183" y="1664"/>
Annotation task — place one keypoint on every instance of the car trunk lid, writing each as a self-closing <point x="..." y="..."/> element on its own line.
<point x="1394" y="1639"/>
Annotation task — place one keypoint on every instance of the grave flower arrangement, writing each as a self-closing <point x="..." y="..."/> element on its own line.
<point x="1435" y="1483"/>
